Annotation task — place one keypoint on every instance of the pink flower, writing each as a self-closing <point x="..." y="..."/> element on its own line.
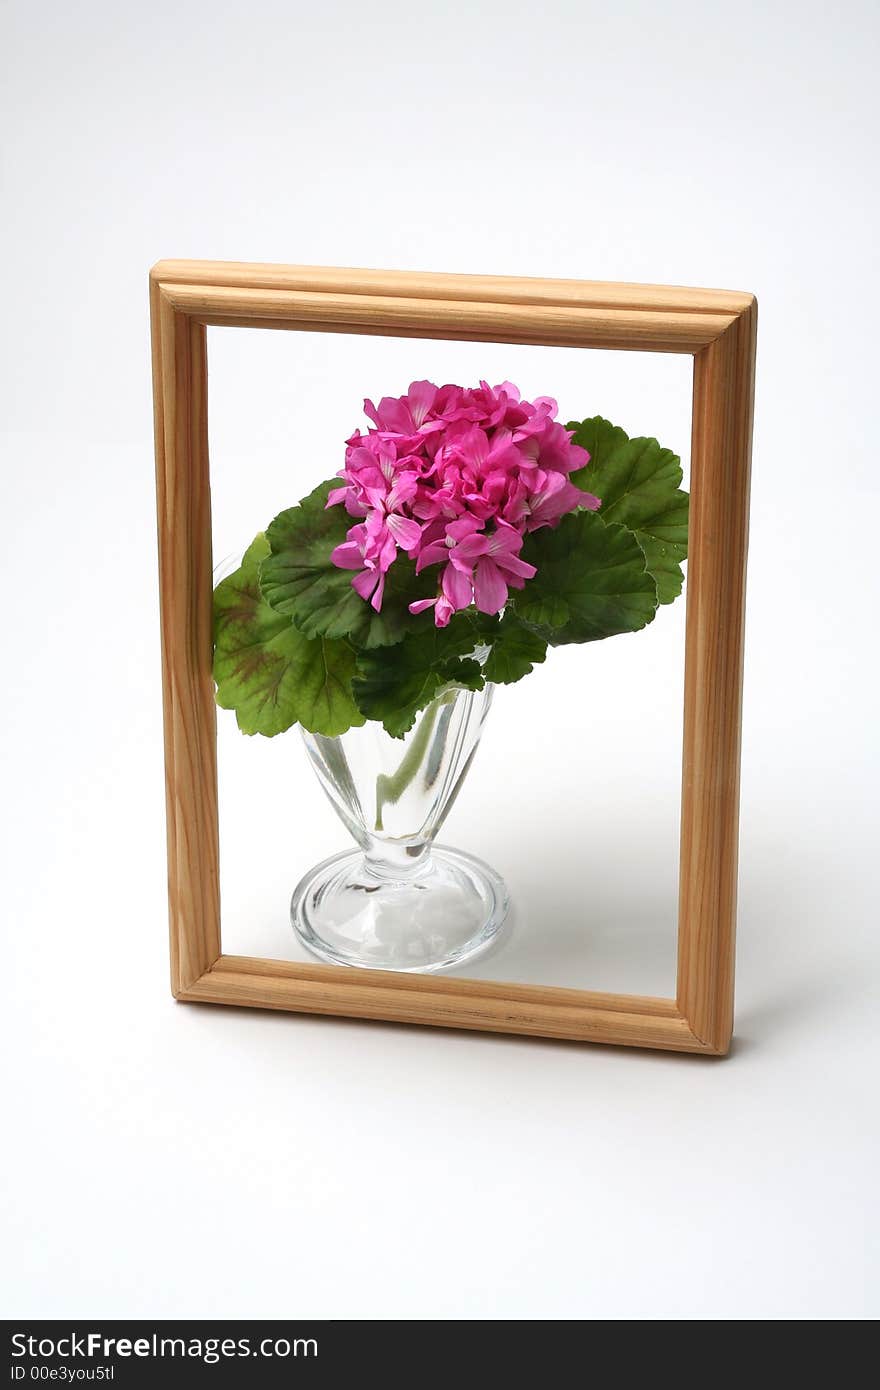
<point x="443" y="609"/>
<point x="455" y="477"/>
<point x="497" y="565"/>
<point x="501" y="405"/>
<point x="456" y="592"/>
<point x="375" y="554"/>
<point x="374" y="544"/>
<point x="375" y="477"/>
<point x="552" y="496"/>
<point x="442" y="543"/>
<point x="409" y="414"/>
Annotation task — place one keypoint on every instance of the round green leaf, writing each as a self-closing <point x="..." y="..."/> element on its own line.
<point x="638" y="482"/>
<point x="268" y="671"/>
<point x="590" y="570"/>
<point x="299" y="579"/>
<point x="514" y="650"/>
<point x="393" y="684"/>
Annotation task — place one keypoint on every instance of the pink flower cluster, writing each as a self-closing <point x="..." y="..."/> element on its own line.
<point x="456" y="477"/>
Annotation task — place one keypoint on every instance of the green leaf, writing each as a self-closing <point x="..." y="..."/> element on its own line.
<point x="393" y="684"/>
<point x="513" y="648"/>
<point x="299" y="579"/>
<point x="591" y="571"/>
<point x="326" y="704"/>
<point x="601" y="439"/>
<point x="270" y="673"/>
<point x="638" y="483"/>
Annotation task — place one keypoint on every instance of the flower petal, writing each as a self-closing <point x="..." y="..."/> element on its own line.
<point x="457" y="587"/>
<point x="512" y="564"/>
<point x="490" y="589"/>
<point x="471" y="548"/>
<point x="365" y="582"/>
<point x="443" y="612"/>
<point x="420" y="398"/>
<point x="432" y="555"/>
<point x="504" y="540"/>
<point x="347" y="556"/>
<point x="376" y="600"/>
<point x="406" y="532"/>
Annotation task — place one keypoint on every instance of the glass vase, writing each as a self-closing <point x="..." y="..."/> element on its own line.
<point x="399" y="901"/>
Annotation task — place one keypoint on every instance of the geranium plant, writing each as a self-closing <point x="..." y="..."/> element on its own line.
<point x="468" y="531"/>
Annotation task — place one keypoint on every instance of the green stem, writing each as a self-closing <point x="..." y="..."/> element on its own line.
<point x="389" y="790"/>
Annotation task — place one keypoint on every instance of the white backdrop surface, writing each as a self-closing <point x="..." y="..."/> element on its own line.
<point x="370" y="1170"/>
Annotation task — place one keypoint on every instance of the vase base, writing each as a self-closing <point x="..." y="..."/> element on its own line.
<point x="445" y="914"/>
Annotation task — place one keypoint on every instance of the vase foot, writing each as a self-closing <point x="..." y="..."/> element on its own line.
<point x="446" y="913"/>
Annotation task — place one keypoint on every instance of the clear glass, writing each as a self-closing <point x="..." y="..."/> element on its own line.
<point x="398" y="901"/>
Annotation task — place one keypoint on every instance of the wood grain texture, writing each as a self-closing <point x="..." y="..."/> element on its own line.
<point x="724" y="385"/>
<point x="566" y="325"/>
<point x="185" y="589"/>
<point x="429" y="285"/>
<point x="576" y="1015"/>
<point x="718" y="328"/>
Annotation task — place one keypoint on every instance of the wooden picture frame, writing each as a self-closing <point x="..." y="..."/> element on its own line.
<point x="717" y="328"/>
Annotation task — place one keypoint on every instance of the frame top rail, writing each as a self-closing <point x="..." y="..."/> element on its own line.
<point x="430" y="285"/>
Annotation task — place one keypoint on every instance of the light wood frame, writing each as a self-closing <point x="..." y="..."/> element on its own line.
<point x="717" y="328"/>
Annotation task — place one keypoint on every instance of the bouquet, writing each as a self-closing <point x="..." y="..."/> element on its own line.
<point x="468" y="532"/>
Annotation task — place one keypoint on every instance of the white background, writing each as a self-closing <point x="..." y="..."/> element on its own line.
<point x="170" y="1161"/>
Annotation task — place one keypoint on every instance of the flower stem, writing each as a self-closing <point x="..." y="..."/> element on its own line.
<point x="389" y="790"/>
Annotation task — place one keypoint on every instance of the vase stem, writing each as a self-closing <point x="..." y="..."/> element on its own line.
<point x="397" y="862"/>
